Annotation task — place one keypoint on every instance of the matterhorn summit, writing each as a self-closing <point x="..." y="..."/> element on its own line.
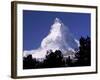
<point x="59" y="38"/>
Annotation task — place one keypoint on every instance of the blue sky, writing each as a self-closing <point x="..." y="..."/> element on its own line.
<point x="36" y="25"/>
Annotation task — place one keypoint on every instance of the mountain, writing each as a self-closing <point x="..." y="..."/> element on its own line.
<point x="59" y="38"/>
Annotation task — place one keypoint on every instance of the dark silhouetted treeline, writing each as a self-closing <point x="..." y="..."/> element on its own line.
<point x="56" y="59"/>
<point x="84" y="53"/>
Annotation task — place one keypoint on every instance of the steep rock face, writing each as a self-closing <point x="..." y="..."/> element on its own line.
<point x="59" y="38"/>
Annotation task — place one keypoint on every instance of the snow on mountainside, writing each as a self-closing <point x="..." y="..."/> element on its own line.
<point x="59" y="38"/>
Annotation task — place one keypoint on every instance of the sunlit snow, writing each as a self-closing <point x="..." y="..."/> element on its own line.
<point x="59" y="38"/>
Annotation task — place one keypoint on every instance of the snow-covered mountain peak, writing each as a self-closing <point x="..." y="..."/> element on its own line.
<point x="59" y="38"/>
<point x="57" y="20"/>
